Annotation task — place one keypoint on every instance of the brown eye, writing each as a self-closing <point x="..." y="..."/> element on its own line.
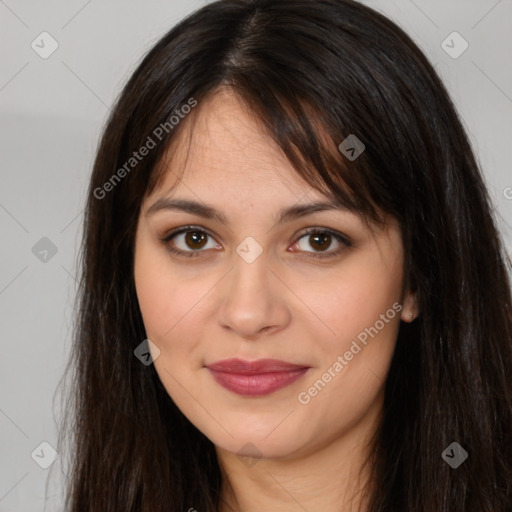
<point x="321" y="240"/>
<point x="196" y="239"/>
<point x="189" y="241"/>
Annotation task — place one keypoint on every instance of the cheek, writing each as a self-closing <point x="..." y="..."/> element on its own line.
<point x="353" y="363"/>
<point x="171" y="309"/>
<point x="157" y="292"/>
<point x="361" y="313"/>
<point x="171" y="303"/>
<point x="154" y="294"/>
<point x="356" y="298"/>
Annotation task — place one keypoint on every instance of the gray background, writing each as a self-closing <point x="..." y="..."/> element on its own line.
<point x="52" y="111"/>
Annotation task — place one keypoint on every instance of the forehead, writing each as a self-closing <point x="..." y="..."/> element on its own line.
<point x="223" y="148"/>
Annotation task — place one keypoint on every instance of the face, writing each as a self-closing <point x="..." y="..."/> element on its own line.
<point x="319" y="291"/>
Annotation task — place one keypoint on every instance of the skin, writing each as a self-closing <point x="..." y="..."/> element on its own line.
<point x="286" y="305"/>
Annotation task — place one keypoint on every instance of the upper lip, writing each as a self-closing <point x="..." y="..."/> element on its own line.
<point x="259" y="366"/>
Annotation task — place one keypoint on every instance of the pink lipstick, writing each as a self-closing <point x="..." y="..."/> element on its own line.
<point x="255" y="378"/>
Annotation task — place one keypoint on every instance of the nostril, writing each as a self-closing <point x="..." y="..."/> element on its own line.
<point x="268" y="329"/>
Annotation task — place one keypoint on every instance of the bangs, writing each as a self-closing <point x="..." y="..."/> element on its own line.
<point x="310" y="141"/>
<point x="307" y="138"/>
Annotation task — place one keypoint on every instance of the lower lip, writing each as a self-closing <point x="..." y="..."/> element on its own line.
<point x="257" y="384"/>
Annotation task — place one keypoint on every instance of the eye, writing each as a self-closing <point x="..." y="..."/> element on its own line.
<point x="321" y="239"/>
<point x="188" y="241"/>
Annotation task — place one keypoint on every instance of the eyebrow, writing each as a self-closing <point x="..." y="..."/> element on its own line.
<point x="210" y="212"/>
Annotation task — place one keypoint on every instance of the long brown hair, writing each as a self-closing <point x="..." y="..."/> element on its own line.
<point x="303" y="66"/>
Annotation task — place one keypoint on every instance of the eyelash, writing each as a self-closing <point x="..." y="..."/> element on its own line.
<point x="312" y="231"/>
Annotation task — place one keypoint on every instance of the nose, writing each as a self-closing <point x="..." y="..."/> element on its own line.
<point x="254" y="300"/>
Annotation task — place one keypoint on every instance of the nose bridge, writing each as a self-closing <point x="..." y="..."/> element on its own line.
<point x="250" y="268"/>
<point x="250" y="275"/>
<point x="253" y="301"/>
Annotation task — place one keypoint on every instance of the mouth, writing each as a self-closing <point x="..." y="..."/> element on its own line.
<point x="255" y="378"/>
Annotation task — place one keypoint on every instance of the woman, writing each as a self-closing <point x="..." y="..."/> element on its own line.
<point x="293" y="294"/>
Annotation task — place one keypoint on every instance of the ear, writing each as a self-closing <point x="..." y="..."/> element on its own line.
<point x="410" y="308"/>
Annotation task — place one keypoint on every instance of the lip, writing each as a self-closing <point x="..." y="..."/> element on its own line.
<point x="255" y="378"/>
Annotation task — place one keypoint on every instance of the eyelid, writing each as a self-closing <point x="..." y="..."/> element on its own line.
<point x="340" y="237"/>
<point x="185" y="229"/>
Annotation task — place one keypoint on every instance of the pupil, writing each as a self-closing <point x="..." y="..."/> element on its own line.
<point x="320" y="239"/>
<point x="196" y="238"/>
